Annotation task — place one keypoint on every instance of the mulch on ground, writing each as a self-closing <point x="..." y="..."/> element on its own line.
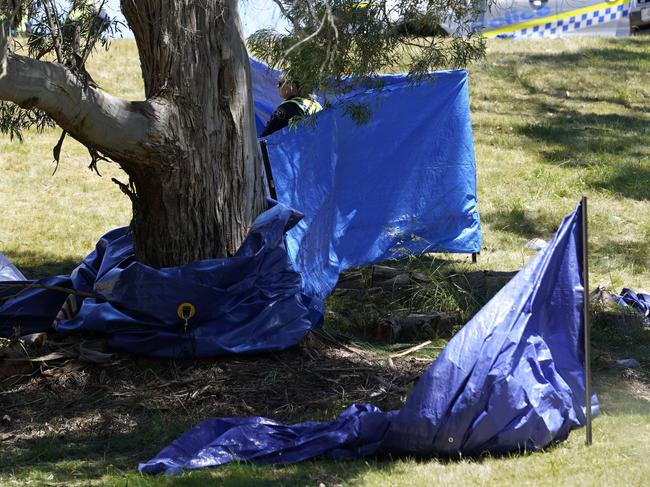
<point x="54" y="387"/>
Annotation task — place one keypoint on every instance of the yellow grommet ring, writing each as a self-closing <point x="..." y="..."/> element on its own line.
<point x="186" y="311"/>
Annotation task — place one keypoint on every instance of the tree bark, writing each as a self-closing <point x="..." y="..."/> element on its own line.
<point x="209" y="188"/>
<point x="121" y="129"/>
<point x="8" y="10"/>
<point x="190" y="149"/>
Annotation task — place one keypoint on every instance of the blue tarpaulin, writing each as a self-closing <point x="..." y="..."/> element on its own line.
<point x="250" y="302"/>
<point x="30" y="310"/>
<point x="637" y="300"/>
<point x="511" y="379"/>
<point x="265" y="92"/>
<point x="403" y="183"/>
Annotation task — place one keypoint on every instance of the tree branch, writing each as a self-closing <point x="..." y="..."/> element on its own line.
<point x="25" y="286"/>
<point x="287" y="14"/>
<point x="56" y="32"/>
<point x="8" y="11"/>
<point x="132" y="133"/>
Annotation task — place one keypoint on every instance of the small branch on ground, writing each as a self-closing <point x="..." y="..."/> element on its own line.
<point x="26" y="286"/>
<point x="410" y="350"/>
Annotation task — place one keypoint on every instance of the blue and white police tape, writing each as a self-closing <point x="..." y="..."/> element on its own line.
<point x="521" y="25"/>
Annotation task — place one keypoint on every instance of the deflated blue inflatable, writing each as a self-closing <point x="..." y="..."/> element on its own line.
<point x="247" y="303"/>
<point x="511" y="379"/>
<point x="26" y="310"/>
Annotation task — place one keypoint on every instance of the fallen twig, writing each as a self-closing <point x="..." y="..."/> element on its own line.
<point x="25" y="286"/>
<point x="404" y="353"/>
<point x="323" y="335"/>
<point x="45" y="358"/>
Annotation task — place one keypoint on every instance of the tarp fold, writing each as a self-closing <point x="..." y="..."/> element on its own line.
<point x="511" y="379"/>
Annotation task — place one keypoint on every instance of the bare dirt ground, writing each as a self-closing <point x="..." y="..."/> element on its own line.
<point x="71" y="399"/>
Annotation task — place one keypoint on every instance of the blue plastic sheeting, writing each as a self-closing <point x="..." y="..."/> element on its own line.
<point x="267" y="96"/>
<point x="8" y="271"/>
<point x="32" y="310"/>
<point x="638" y="300"/>
<point x="248" y="303"/>
<point x="402" y="184"/>
<point x="265" y="92"/>
<point x="511" y="379"/>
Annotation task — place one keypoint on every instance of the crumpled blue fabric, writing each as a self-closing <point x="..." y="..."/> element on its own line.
<point x="511" y="379"/>
<point x="30" y="310"/>
<point x="250" y="302"/>
<point x="8" y="271"/>
<point x="638" y="300"/>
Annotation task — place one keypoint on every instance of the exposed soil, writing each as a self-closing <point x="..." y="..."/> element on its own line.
<point x="71" y="399"/>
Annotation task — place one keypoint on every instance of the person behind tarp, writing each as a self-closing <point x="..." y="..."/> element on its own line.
<point x="296" y="105"/>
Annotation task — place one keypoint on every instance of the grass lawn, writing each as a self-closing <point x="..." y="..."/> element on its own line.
<point x="553" y="120"/>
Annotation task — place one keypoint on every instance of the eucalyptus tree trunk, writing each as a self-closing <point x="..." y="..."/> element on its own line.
<point x="206" y="188"/>
<point x="190" y="149"/>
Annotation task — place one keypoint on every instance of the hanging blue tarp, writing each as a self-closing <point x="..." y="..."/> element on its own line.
<point x="402" y="183"/>
<point x="511" y="379"/>
<point x="265" y="92"/>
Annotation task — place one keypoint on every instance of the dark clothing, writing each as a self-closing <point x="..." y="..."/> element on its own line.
<point x="281" y="116"/>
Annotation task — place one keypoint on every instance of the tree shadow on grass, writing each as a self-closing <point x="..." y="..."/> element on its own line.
<point x="611" y="146"/>
<point x="521" y="222"/>
<point x="38" y="265"/>
<point x="586" y="133"/>
<point x="624" y="58"/>
<point x="622" y="390"/>
<point x="636" y="252"/>
<point x="630" y="180"/>
<point x="591" y="141"/>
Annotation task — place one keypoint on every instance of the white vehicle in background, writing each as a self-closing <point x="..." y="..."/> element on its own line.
<point x="640" y="14"/>
<point x="546" y="18"/>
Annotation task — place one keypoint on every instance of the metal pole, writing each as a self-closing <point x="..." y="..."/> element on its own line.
<point x="267" y="170"/>
<point x="585" y="317"/>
